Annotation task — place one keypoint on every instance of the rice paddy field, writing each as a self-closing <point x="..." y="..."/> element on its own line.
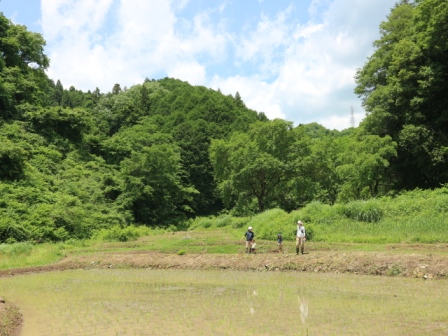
<point x="222" y="302"/>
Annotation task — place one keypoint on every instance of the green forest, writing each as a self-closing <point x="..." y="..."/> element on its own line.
<point x="161" y="153"/>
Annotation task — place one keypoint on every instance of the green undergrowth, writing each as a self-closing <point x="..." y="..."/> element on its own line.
<point x="27" y="254"/>
<point x="419" y="216"/>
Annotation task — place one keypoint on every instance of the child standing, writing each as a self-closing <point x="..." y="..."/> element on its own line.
<point x="253" y="247"/>
<point x="280" y="243"/>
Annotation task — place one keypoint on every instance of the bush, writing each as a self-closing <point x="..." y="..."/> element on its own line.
<point x="223" y="221"/>
<point x="320" y="213"/>
<point x="201" y="222"/>
<point x="309" y="229"/>
<point x="12" y="231"/>
<point x="272" y="222"/>
<point x="239" y="222"/>
<point x="117" y="233"/>
<point x="364" y="211"/>
<point x="16" y="249"/>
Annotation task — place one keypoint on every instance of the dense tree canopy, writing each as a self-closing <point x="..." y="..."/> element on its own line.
<point x="259" y="164"/>
<point x="22" y="65"/>
<point x="403" y="85"/>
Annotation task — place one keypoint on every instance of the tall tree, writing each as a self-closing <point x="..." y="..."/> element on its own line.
<point x="363" y="166"/>
<point x="257" y="165"/>
<point x="403" y="86"/>
<point x="22" y="65"/>
<point x="57" y="93"/>
<point x="116" y="89"/>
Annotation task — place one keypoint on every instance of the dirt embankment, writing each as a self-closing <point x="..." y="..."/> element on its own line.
<point x="10" y="319"/>
<point x="426" y="266"/>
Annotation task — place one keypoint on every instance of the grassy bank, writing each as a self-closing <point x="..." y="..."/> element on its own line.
<point x="413" y="217"/>
<point x="417" y="217"/>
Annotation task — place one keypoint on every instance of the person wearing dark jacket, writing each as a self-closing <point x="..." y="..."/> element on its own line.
<point x="250" y="235"/>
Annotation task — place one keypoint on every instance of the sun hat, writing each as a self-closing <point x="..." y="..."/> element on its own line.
<point x="299" y="222"/>
<point x="250" y="228"/>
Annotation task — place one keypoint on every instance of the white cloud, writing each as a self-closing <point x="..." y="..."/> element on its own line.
<point x="299" y="71"/>
<point x="314" y="79"/>
<point x="193" y="73"/>
<point x="143" y="43"/>
<point x="256" y="94"/>
<point x="262" y="45"/>
<point x="340" y="122"/>
<point x="65" y="18"/>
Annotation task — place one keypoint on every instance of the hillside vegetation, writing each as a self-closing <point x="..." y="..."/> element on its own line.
<point x="419" y="216"/>
<point x="166" y="155"/>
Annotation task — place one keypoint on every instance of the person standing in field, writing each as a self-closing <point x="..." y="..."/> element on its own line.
<point x="280" y="243"/>
<point x="300" y="238"/>
<point x="250" y="235"/>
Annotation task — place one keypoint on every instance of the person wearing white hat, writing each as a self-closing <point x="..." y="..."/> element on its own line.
<point x="300" y="238"/>
<point x="250" y="235"/>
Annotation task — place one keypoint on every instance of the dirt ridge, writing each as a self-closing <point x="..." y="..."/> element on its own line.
<point x="363" y="263"/>
<point x="10" y="319"/>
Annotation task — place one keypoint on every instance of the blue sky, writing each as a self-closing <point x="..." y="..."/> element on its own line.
<point x="291" y="59"/>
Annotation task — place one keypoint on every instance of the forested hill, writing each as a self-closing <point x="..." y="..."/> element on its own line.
<point x="163" y="151"/>
<point x="73" y="161"/>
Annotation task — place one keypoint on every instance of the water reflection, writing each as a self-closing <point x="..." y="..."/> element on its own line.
<point x="252" y="298"/>
<point x="303" y="303"/>
<point x="168" y="302"/>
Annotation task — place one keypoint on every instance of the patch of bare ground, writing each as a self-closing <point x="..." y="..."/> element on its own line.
<point x="10" y="319"/>
<point x="425" y="266"/>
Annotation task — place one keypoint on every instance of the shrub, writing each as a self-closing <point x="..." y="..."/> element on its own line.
<point x="117" y="233"/>
<point x="10" y="229"/>
<point x="309" y="232"/>
<point x="320" y="213"/>
<point x="223" y="221"/>
<point x="271" y="222"/>
<point x="201" y="222"/>
<point x="16" y="249"/>
<point x="364" y="211"/>
<point x="239" y="222"/>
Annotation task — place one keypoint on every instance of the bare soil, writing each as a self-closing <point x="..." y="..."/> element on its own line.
<point x="10" y="319"/>
<point x="419" y="264"/>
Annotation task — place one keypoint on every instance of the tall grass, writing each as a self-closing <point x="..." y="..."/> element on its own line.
<point x="415" y="216"/>
<point x="27" y="254"/>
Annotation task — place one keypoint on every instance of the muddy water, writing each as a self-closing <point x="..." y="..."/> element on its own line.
<point x="164" y="302"/>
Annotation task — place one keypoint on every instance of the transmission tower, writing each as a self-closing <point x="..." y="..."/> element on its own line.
<point x="352" y="118"/>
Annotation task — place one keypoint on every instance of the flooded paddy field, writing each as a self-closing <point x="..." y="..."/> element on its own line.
<point x="197" y="302"/>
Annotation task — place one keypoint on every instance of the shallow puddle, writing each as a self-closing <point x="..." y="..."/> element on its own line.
<point x="178" y="302"/>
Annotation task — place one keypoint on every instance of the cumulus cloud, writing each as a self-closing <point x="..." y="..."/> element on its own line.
<point x="290" y="68"/>
<point x="313" y="80"/>
<point x="256" y="94"/>
<point x="142" y="42"/>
